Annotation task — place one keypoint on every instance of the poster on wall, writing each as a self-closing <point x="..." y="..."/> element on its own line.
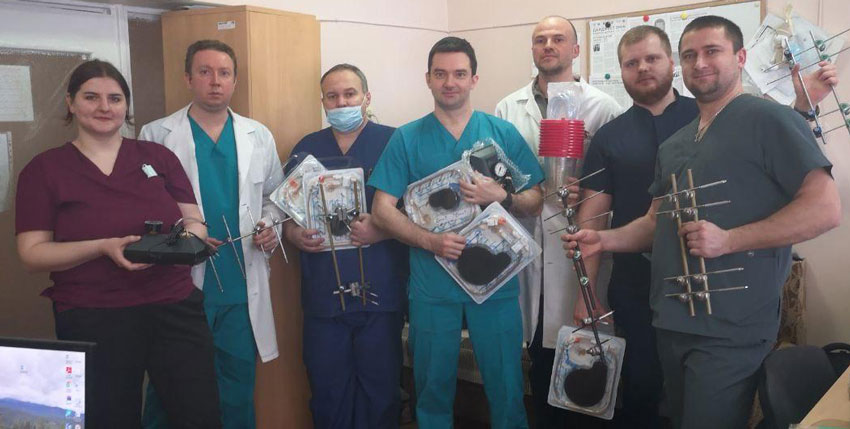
<point x="604" y="37"/>
<point x="15" y="94"/>
<point x="5" y="169"/>
<point x="613" y="86"/>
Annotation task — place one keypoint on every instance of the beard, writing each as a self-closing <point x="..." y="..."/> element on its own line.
<point x="711" y="91"/>
<point x="551" y="70"/>
<point x="651" y="95"/>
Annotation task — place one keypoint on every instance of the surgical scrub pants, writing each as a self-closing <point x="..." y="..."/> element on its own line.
<point x="235" y="369"/>
<point x="354" y="365"/>
<point x="495" y="328"/>
<point x="710" y="382"/>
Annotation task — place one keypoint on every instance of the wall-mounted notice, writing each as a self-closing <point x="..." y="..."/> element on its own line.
<point x="613" y="86"/>
<point x="15" y="94"/>
<point x="5" y="169"/>
<point x="604" y="37"/>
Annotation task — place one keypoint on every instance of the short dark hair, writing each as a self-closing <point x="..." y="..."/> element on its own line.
<point x="733" y="32"/>
<point x="203" y="45"/>
<point x="453" y="44"/>
<point x="93" y="69"/>
<point x="639" y="34"/>
<point x="364" y="86"/>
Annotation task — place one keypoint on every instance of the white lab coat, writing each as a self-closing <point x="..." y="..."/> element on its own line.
<point x="259" y="174"/>
<point x="560" y="285"/>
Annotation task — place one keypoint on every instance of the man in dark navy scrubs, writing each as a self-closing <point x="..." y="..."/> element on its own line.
<point x="353" y="358"/>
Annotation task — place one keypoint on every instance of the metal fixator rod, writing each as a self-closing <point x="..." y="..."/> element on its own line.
<point x="703" y="278"/>
<point x="609" y="212"/>
<point x="363" y="286"/>
<point x="256" y="229"/>
<point x="809" y="66"/>
<point x="583" y="279"/>
<point x="834" y="94"/>
<point x="340" y="287"/>
<point x="577" y="203"/>
<point x="707" y="273"/>
<point x="242" y="237"/>
<point x="279" y="241"/>
<point x="823" y="42"/>
<point x="575" y="182"/>
<point x="215" y="273"/>
<point x="587" y="322"/>
<point x="683" y="251"/>
<point x="231" y="241"/>
<point x="707" y="185"/>
<point x="838" y="127"/>
<point x="705" y="292"/>
<point x="694" y="208"/>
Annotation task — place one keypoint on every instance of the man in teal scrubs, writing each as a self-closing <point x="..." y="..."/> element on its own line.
<point x="233" y="166"/>
<point x="437" y="303"/>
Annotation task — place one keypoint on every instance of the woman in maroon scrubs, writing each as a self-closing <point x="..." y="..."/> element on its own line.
<point x="77" y="207"/>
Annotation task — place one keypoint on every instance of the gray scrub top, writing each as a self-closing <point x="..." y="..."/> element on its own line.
<point x="764" y="150"/>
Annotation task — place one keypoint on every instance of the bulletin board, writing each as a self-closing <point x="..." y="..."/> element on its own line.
<point x="604" y="33"/>
<point x="23" y="313"/>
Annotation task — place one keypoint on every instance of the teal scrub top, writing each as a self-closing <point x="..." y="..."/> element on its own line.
<point x="423" y="147"/>
<point x="218" y="178"/>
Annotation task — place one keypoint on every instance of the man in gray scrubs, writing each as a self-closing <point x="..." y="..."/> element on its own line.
<point x="781" y="193"/>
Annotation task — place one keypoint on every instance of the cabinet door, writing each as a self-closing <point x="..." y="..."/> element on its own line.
<point x="181" y="29"/>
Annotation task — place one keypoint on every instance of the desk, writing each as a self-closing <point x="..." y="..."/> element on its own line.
<point x="834" y="405"/>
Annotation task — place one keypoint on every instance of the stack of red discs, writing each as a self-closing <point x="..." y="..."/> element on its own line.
<point x="561" y="138"/>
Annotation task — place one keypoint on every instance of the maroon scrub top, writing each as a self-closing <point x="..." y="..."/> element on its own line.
<point x="62" y="191"/>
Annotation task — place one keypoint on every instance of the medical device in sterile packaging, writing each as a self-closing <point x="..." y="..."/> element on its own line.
<point x="497" y="248"/>
<point x="487" y="158"/>
<point x="586" y="373"/>
<point x="333" y="200"/>
<point x="289" y="196"/>
<point x="435" y="202"/>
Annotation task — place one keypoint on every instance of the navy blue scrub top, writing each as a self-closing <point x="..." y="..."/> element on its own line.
<point x="385" y="262"/>
<point x="626" y="147"/>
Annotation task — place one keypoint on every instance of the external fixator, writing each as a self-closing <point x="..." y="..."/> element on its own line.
<point x="359" y="289"/>
<point x="680" y="214"/>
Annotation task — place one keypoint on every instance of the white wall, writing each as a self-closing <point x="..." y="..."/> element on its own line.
<point x="87" y="29"/>
<point x="394" y="61"/>
<point x="388" y="39"/>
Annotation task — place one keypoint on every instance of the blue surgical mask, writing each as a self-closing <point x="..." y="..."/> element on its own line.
<point x="345" y="119"/>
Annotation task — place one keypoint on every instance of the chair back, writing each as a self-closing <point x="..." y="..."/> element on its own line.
<point x="792" y="381"/>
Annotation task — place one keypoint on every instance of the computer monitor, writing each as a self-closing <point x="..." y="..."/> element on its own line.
<point x="43" y="383"/>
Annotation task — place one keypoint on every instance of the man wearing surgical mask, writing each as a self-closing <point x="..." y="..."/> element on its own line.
<point x="353" y="357"/>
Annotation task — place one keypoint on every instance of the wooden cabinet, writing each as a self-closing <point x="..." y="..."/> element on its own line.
<point x="278" y="71"/>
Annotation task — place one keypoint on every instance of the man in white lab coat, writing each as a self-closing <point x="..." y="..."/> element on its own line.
<point x="233" y="165"/>
<point x="548" y="286"/>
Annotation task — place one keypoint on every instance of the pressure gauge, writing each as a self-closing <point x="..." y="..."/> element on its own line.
<point x="500" y="170"/>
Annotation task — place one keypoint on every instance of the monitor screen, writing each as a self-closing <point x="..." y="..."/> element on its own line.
<point x="43" y="383"/>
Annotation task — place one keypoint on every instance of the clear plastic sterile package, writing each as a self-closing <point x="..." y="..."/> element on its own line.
<point x="497" y="248"/>
<point x="289" y="196"/>
<point x="344" y="200"/>
<point x="582" y="380"/>
<point x="435" y="202"/>
<point x="488" y="158"/>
